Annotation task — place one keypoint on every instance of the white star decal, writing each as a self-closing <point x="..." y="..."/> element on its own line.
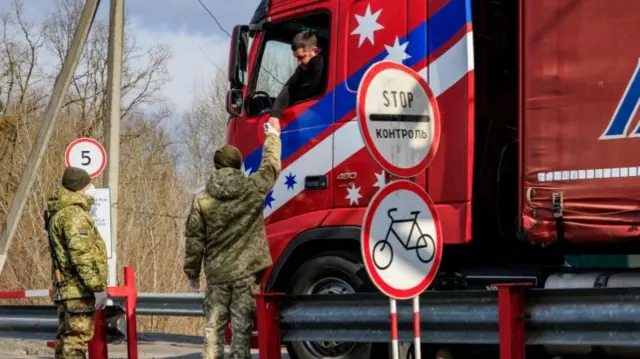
<point x="380" y="180"/>
<point x="353" y="194"/>
<point x="247" y="171"/>
<point x="397" y="52"/>
<point x="367" y="25"/>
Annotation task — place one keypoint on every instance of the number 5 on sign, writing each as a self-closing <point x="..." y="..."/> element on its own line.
<point x="88" y="154"/>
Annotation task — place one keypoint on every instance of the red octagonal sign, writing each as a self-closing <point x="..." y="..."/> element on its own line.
<point x="399" y="118"/>
<point x="401" y="240"/>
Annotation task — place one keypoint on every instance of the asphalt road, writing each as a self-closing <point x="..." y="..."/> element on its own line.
<point x="146" y="350"/>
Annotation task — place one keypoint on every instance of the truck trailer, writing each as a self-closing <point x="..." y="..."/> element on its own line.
<point x="536" y="160"/>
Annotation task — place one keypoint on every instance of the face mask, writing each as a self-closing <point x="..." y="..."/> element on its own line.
<point x="90" y="190"/>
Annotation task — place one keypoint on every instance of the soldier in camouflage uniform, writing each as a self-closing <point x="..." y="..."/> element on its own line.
<point x="225" y="231"/>
<point x="79" y="263"/>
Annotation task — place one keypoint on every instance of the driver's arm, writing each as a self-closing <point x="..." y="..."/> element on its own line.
<point x="304" y="85"/>
<point x="283" y="99"/>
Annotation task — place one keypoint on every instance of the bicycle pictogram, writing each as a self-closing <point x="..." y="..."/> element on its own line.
<point x="424" y="245"/>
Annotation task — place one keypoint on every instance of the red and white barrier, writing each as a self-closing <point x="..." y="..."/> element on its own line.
<point x="98" y="345"/>
<point x="29" y="293"/>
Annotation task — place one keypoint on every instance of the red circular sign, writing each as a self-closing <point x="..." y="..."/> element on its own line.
<point x="399" y="118"/>
<point x="401" y="240"/>
<point x="88" y="154"/>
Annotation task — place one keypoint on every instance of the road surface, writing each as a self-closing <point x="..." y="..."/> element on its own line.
<point x="146" y="350"/>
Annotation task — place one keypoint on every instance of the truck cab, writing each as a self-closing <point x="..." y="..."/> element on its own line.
<point x="328" y="177"/>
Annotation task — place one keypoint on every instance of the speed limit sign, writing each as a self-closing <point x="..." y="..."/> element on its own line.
<point x="88" y="154"/>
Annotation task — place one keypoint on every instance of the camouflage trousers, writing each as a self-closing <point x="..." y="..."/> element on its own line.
<point x="226" y="302"/>
<point x="75" y="328"/>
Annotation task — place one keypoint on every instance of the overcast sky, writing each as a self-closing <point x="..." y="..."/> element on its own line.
<point x="195" y="39"/>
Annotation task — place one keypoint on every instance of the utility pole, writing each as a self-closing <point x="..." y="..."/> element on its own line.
<point x="112" y="129"/>
<point x="30" y="172"/>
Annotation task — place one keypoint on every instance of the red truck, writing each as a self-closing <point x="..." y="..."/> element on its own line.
<point x="537" y="151"/>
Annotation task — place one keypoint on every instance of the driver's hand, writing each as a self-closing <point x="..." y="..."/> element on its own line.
<point x="275" y="122"/>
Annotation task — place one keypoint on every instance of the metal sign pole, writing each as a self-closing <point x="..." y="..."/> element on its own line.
<point x="416" y="328"/>
<point x="394" y="328"/>
<point x="112" y="128"/>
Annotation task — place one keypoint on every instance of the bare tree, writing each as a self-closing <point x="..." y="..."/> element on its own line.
<point x="152" y="192"/>
<point x="144" y="71"/>
<point x="203" y="129"/>
<point x="21" y="41"/>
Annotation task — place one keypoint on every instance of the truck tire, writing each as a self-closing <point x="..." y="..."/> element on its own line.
<point x="328" y="273"/>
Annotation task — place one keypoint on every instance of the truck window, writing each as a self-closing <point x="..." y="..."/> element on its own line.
<point x="276" y="67"/>
<point x="276" y="62"/>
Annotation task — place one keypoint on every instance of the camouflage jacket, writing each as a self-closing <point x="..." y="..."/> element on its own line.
<point x="81" y="251"/>
<point x="225" y="226"/>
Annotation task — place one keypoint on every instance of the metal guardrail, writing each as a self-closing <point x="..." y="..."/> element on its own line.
<point x="603" y="316"/>
<point x="40" y="322"/>
<point x="170" y="304"/>
<point x="446" y="317"/>
<point x="554" y="317"/>
<point x="31" y="322"/>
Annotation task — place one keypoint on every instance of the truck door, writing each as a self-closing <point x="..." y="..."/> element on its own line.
<point x="435" y="39"/>
<point x="303" y="186"/>
<point x="371" y="31"/>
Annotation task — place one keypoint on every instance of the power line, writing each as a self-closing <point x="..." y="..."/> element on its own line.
<point x="228" y="34"/>
<point x="214" y="18"/>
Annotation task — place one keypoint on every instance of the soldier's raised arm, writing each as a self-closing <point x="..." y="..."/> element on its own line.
<point x="82" y="253"/>
<point x="267" y="174"/>
<point x="194" y="241"/>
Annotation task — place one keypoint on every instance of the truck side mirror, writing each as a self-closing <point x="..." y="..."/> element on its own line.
<point x="238" y="53"/>
<point x="233" y="102"/>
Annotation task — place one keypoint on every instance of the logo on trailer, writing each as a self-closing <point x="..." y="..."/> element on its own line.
<point x="627" y="108"/>
<point x="399" y="118"/>
<point x="401" y="240"/>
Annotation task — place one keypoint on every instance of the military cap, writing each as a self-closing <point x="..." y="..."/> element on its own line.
<point x="74" y="179"/>
<point x="228" y="156"/>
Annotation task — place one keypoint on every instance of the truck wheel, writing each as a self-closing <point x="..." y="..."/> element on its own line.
<point x="329" y="273"/>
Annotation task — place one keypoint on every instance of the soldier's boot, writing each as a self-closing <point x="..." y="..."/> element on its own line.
<point x="75" y="354"/>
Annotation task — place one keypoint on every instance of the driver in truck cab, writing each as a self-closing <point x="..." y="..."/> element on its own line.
<point x="307" y="81"/>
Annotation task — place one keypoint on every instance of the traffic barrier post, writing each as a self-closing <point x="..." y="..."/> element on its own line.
<point x="97" y="347"/>
<point x="511" y="320"/>
<point x="269" y="335"/>
<point x="130" y="294"/>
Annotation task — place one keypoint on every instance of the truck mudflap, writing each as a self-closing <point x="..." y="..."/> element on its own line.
<point x="579" y="144"/>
